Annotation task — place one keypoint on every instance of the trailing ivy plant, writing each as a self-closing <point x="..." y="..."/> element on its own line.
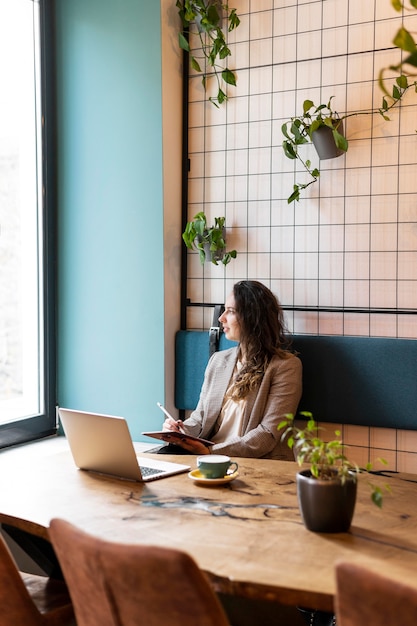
<point x="405" y="42"/>
<point x="299" y="130"/>
<point x="202" y="21"/>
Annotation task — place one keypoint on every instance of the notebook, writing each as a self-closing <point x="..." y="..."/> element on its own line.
<point x="175" y="436"/>
<point x="102" y="443"/>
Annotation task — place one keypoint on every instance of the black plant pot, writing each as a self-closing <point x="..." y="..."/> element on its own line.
<point x="324" y="144"/>
<point x="326" y="506"/>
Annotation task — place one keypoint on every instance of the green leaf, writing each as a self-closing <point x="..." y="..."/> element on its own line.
<point x="330" y="122"/>
<point x="397" y="4"/>
<point x="307" y="105"/>
<point x="402" y="81"/>
<point x="297" y="132"/>
<point x="295" y="195"/>
<point x="377" y="497"/>
<point x="184" y="45"/>
<point x="404" y="40"/>
<point x="224" y="52"/>
<point x="411" y="60"/>
<point x="221" y="96"/>
<point x="234" y="20"/>
<point x="213" y="15"/>
<point x="195" y="65"/>
<point x="284" y="130"/>
<point x="289" y="150"/>
<point x="314" y="126"/>
<point x="229" y="77"/>
<point x="340" y="141"/>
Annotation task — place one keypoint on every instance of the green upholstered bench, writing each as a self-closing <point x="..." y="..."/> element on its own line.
<point x="367" y="381"/>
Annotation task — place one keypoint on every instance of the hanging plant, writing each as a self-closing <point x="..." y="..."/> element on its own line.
<point x="209" y="242"/>
<point x="202" y="22"/>
<point x="302" y="130"/>
<point x="404" y="41"/>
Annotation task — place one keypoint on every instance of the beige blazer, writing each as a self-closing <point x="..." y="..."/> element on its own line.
<point x="279" y="393"/>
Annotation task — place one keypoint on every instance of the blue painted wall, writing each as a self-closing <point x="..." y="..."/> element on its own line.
<point x="110" y="209"/>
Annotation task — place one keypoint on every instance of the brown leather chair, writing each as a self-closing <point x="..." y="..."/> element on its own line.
<point x="365" y="598"/>
<point x="31" y="600"/>
<point x="131" y="585"/>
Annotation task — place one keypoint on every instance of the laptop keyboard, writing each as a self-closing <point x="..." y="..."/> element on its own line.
<point x="149" y="471"/>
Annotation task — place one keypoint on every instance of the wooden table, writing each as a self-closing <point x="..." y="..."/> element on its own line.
<point x="247" y="535"/>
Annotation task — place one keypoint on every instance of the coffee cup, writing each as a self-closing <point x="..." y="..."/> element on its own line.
<point x="216" y="466"/>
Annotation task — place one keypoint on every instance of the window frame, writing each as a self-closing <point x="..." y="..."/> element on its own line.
<point x="44" y="424"/>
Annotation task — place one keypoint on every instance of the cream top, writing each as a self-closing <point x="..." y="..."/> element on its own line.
<point x="230" y="420"/>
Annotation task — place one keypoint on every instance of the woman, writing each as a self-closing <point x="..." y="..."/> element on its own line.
<point x="249" y="388"/>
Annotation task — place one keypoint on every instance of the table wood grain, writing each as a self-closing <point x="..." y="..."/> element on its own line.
<point x="247" y="535"/>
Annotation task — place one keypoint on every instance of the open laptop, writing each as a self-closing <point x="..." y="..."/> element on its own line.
<point x="102" y="443"/>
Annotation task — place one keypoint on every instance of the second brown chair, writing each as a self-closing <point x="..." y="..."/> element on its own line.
<point x="114" y="584"/>
<point x="365" y="598"/>
<point x="31" y="600"/>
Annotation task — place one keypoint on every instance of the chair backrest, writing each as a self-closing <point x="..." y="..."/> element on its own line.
<point x="365" y="598"/>
<point x="16" y="605"/>
<point x="114" y="584"/>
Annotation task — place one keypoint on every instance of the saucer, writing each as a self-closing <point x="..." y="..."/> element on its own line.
<point x="200" y="479"/>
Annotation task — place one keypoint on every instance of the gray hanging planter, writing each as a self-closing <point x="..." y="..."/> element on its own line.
<point x="216" y="255"/>
<point x="220" y="12"/>
<point x="324" y="143"/>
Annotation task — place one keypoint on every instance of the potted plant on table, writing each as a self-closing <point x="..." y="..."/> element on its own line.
<point x="327" y="491"/>
<point x="209" y="242"/>
<point x="203" y="21"/>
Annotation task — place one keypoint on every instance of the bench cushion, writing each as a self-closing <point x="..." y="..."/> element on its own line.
<point x="191" y="358"/>
<point x="368" y="381"/>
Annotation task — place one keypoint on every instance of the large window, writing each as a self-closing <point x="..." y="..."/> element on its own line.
<point x="25" y="364"/>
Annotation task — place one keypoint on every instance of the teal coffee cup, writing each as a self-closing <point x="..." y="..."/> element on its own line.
<point x="216" y="466"/>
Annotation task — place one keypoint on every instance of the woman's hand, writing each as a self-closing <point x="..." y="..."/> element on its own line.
<point x="171" y="424"/>
<point x="193" y="447"/>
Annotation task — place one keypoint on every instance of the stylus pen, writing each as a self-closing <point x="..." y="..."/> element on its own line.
<point x="163" y="409"/>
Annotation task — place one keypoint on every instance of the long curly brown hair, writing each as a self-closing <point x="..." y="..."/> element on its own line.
<point x="262" y="334"/>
